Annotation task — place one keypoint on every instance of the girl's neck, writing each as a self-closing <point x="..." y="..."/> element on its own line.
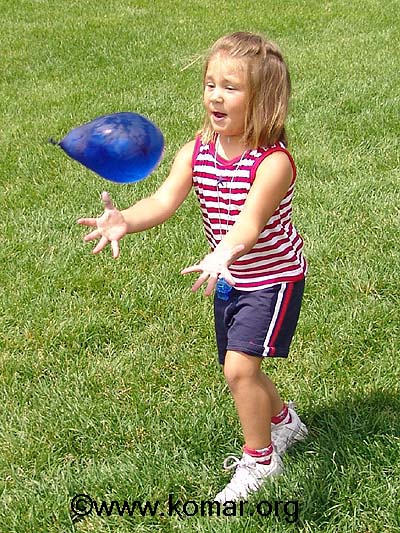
<point x="229" y="147"/>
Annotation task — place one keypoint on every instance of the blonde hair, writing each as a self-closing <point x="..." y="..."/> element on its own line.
<point x="268" y="87"/>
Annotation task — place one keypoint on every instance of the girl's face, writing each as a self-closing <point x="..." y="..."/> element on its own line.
<point x="225" y="95"/>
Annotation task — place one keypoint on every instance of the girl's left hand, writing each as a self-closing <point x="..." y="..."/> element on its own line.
<point x="214" y="266"/>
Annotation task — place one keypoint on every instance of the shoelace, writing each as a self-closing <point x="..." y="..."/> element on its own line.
<point x="231" y="462"/>
<point x="244" y="467"/>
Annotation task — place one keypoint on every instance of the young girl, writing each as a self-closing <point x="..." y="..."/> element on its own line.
<point x="244" y="179"/>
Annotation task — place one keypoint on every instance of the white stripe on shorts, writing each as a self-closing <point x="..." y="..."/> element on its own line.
<point x="274" y="318"/>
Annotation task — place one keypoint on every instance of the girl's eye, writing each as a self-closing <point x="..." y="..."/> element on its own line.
<point x="210" y="85"/>
<point x="230" y="88"/>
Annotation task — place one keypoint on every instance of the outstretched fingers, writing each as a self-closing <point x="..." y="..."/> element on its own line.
<point x="208" y="276"/>
<point x="87" y="221"/>
<point x="228" y="277"/>
<point x="193" y="268"/>
<point x="200" y="280"/>
<point x="100" y="245"/>
<point x="212" y="281"/>
<point x="214" y="266"/>
<point x="107" y="202"/>
<point x="93" y="235"/>
<point x="109" y="227"/>
<point x="115" y="249"/>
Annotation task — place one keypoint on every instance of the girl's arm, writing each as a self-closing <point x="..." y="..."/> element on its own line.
<point x="157" y="208"/>
<point x="113" y="224"/>
<point x="272" y="181"/>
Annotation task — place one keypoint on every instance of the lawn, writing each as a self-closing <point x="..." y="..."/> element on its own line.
<point x="109" y="380"/>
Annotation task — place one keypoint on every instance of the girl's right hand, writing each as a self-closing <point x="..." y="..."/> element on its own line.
<point x="110" y="227"/>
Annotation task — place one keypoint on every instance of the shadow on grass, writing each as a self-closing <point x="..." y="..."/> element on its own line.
<point x="354" y="453"/>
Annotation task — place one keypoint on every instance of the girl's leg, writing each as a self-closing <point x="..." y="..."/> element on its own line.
<point x="255" y="396"/>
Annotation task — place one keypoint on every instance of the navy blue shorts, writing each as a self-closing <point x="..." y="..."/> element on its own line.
<point x="260" y="323"/>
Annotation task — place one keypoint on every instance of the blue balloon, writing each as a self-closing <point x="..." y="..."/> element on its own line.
<point x="121" y="147"/>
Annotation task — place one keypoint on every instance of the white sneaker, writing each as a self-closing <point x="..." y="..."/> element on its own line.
<point x="249" y="476"/>
<point x="283" y="435"/>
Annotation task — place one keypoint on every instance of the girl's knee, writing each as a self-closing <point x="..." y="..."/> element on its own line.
<point x="240" y="369"/>
<point x="233" y="375"/>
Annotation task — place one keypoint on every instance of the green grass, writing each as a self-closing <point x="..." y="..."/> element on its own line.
<point x="109" y="382"/>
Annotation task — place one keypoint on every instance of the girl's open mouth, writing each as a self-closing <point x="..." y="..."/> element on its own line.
<point x="218" y="115"/>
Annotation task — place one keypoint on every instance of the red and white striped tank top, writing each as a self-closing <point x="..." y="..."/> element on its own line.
<point x="221" y="187"/>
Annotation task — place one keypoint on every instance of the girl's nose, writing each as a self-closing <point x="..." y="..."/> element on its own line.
<point x="216" y="95"/>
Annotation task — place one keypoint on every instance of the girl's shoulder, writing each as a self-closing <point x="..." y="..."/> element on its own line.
<point x="279" y="153"/>
<point x="202" y="147"/>
<point x="185" y="153"/>
<point x="277" y="147"/>
<point x="265" y="151"/>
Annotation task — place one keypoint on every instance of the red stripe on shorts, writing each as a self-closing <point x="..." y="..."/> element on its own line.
<point x="282" y="312"/>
